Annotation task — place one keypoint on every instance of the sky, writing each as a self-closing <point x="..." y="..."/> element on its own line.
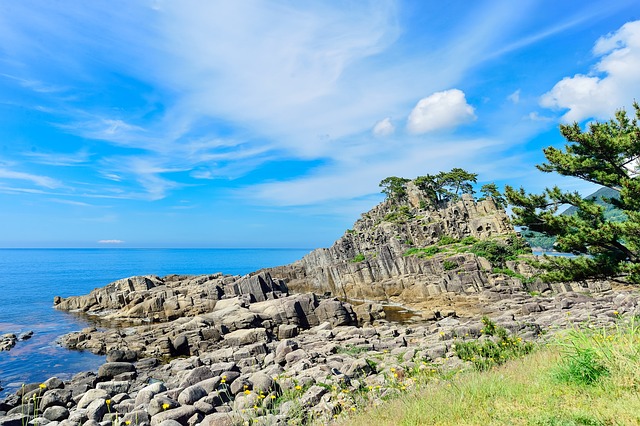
<point x="270" y="123"/>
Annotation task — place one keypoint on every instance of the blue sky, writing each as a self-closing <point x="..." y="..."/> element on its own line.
<point x="270" y="123"/>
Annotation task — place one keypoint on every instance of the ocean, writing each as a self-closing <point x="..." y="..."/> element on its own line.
<point x="30" y="278"/>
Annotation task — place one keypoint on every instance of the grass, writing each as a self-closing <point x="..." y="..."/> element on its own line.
<point x="585" y="377"/>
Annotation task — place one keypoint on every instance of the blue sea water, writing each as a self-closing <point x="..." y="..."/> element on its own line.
<point x="30" y="278"/>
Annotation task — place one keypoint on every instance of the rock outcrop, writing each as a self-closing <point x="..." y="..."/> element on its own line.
<point x="369" y="261"/>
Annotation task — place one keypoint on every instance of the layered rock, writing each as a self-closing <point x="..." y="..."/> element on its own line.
<point x="369" y="262"/>
<point x="191" y="315"/>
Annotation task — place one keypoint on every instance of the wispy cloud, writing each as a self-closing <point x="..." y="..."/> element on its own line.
<point x="39" y="180"/>
<point x="59" y="159"/>
<point x="70" y="202"/>
<point x="110" y="242"/>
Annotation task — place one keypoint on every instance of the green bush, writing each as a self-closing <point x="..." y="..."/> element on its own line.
<point x="467" y="241"/>
<point x="583" y="367"/>
<point x="449" y="265"/>
<point x="486" y="354"/>
<point x="499" y="252"/>
<point x="422" y="252"/>
<point x="359" y="258"/>
<point x="446" y="240"/>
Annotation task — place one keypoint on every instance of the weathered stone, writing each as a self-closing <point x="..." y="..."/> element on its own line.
<point x="59" y="397"/>
<point x="92" y="395"/>
<point x="196" y="375"/>
<point x="221" y="419"/>
<point x="191" y="395"/>
<point x="180" y="415"/>
<point x="97" y="409"/>
<point x="161" y="403"/>
<point x="146" y="394"/>
<point x="114" y="387"/>
<point x="245" y="337"/>
<point x="112" y="369"/>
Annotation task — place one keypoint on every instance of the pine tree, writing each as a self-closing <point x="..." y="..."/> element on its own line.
<point x="607" y="154"/>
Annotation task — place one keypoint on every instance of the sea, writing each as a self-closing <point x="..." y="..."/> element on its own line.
<point x="31" y="278"/>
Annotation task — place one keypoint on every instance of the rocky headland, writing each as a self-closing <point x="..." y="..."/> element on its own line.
<point x="310" y="341"/>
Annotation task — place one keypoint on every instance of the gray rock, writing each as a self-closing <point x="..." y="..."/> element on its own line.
<point x="56" y="413"/>
<point x="261" y="382"/>
<point x="13" y="420"/>
<point x="180" y="414"/>
<point x="221" y="419"/>
<point x="113" y="369"/>
<point x="245" y="337"/>
<point x="114" y="387"/>
<point x="146" y="394"/>
<point x="191" y="395"/>
<point x="161" y="403"/>
<point x="59" y="397"/>
<point x="97" y="409"/>
<point x="196" y="375"/>
<point x="92" y="395"/>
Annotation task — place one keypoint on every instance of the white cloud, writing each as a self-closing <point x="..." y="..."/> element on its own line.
<point x="38" y="180"/>
<point x="384" y="128"/>
<point x="514" y="97"/>
<point x="611" y="84"/>
<point x="58" y="159"/>
<point x="110" y="242"/>
<point x="442" y="110"/>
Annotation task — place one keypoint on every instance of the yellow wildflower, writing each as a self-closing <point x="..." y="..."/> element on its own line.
<point x="43" y="386"/>
<point x="247" y="392"/>
<point x="298" y="387"/>
<point x="108" y="402"/>
<point x="165" y="406"/>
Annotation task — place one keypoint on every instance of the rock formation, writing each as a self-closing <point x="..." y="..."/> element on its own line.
<point x="369" y="261"/>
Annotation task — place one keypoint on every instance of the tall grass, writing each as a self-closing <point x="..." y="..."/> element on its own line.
<point x="584" y="377"/>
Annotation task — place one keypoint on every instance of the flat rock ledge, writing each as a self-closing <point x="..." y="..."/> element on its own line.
<point x="259" y="355"/>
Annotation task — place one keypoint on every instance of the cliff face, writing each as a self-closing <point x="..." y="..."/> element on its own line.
<point x="370" y="261"/>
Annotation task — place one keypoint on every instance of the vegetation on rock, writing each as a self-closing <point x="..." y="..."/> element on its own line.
<point x="444" y="186"/>
<point x="607" y="154"/>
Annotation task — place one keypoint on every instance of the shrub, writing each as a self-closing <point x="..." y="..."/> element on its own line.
<point x="499" y="252"/>
<point x="486" y="354"/>
<point x="467" y="241"/>
<point x="422" y="252"/>
<point x="446" y="240"/>
<point x="449" y="265"/>
<point x="358" y="258"/>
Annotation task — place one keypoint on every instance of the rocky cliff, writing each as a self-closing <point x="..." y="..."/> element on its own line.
<point x="373" y="260"/>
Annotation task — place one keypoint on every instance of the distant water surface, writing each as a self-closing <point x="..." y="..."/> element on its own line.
<point x="30" y="278"/>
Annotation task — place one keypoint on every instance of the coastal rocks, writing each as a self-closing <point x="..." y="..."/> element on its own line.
<point x="9" y="340"/>
<point x="249" y="320"/>
<point x="155" y="299"/>
<point x="369" y="261"/>
<point x="251" y="375"/>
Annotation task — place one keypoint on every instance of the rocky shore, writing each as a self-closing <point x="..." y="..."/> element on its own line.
<point x="284" y="346"/>
<point x="270" y="358"/>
